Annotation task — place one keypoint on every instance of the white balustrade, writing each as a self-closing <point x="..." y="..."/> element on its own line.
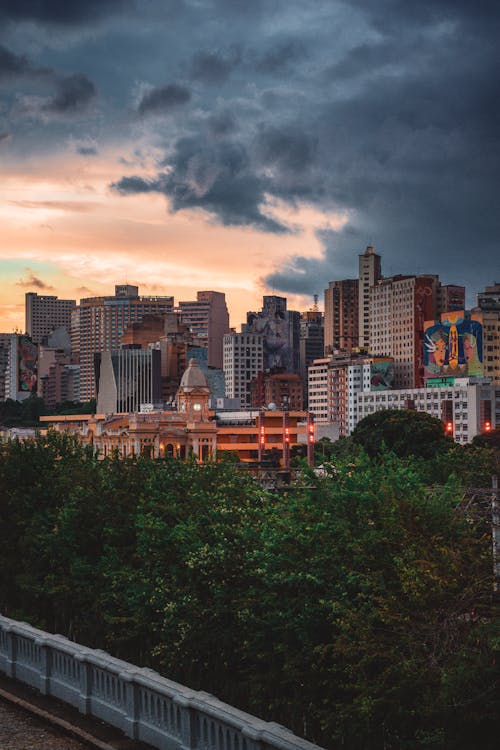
<point x="141" y="703"/>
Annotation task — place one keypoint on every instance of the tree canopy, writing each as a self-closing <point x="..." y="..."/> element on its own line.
<point x="355" y="607"/>
<point x="405" y="432"/>
<point x="27" y="413"/>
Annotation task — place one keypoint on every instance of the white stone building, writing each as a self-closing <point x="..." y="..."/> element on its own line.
<point x="469" y="400"/>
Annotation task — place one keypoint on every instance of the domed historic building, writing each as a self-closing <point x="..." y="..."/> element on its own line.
<point x="192" y="429"/>
<point x="194" y="394"/>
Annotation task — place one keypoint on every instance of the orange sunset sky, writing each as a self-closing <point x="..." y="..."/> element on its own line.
<point x="66" y="233"/>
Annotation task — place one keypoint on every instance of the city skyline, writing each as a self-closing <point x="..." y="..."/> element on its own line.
<point x="251" y="150"/>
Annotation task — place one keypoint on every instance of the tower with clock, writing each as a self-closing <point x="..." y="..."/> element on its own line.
<point x="193" y="394"/>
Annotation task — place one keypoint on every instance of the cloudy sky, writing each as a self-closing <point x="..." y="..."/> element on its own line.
<point x="247" y="147"/>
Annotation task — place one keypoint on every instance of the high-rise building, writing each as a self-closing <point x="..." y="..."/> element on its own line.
<point x="45" y="313"/>
<point x="144" y="332"/>
<point x="243" y="361"/>
<point x="312" y="339"/>
<point x="103" y="320"/>
<point x="490" y="298"/>
<point x="347" y="377"/>
<point x="317" y="388"/>
<point x="18" y="366"/>
<point x="280" y="329"/>
<point x="58" y="380"/>
<point x="341" y="315"/>
<point x="450" y="298"/>
<point x="399" y="307"/>
<point x="215" y="377"/>
<point x="51" y="364"/>
<point x="127" y="379"/>
<point x="370" y="271"/>
<point x="334" y="383"/>
<point x="74" y="334"/>
<point x="5" y="349"/>
<point x="208" y="320"/>
<point x="489" y="306"/>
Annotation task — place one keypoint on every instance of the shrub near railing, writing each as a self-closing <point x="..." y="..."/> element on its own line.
<point x="141" y="703"/>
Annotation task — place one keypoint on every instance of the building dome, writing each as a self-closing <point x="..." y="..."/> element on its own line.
<point x="193" y="377"/>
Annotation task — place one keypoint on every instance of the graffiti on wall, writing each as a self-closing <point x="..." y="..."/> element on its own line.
<point x="382" y="374"/>
<point x="274" y="324"/>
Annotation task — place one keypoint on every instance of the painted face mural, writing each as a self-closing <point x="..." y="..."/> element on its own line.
<point x="469" y="347"/>
<point x="439" y="352"/>
<point x="453" y="347"/>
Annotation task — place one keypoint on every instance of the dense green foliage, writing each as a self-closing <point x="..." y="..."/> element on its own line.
<point x="356" y="608"/>
<point x="27" y="413"/>
<point x="406" y="432"/>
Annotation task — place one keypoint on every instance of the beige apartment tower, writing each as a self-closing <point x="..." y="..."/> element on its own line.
<point x="45" y="313"/>
<point x="399" y="306"/>
<point x="489" y="305"/>
<point x="370" y="271"/>
<point x="341" y="315"/>
<point x="208" y="320"/>
<point x="103" y="320"/>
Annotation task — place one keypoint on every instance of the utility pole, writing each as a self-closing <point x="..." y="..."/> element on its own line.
<point x="495" y="534"/>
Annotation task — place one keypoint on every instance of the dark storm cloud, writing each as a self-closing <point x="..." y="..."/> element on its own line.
<point x="309" y="276"/>
<point x="280" y="55"/>
<point x="59" y="11"/>
<point x="213" y="67"/>
<point x="222" y="123"/>
<point x="4" y="137"/>
<point x="217" y="178"/>
<point x="385" y="111"/>
<point x="73" y="94"/>
<point x="13" y="65"/>
<point x="164" y="99"/>
<point x="398" y="15"/>
<point x="368" y="58"/>
<point x="413" y="155"/>
<point x="291" y="150"/>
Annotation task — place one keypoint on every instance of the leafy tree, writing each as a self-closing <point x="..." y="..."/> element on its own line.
<point x="25" y="413"/>
<point x="405" y="432"/>
<point x="75" y="407"/>
<point x="488" y="439"/>
<point x="354" y="607"/>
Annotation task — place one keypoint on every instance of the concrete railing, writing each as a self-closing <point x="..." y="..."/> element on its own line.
<point x="144" y="705"/>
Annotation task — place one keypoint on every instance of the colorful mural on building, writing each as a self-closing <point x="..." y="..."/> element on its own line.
<point x="453" y="346"/>
<point x="27" y="364"/>
<point x="382" y="374"/>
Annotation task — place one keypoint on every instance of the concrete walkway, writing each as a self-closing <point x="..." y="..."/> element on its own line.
<point x="30" y="721"/>
<point x="19" y="730"/>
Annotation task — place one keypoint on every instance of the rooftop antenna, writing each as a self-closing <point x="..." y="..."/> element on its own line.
<point x="315" y="305"/>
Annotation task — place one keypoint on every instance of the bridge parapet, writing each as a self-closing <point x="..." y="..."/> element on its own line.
<point x="140" y="702"/>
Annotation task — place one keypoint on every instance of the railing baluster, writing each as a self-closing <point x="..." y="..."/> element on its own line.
<point x="138" y="701"/>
